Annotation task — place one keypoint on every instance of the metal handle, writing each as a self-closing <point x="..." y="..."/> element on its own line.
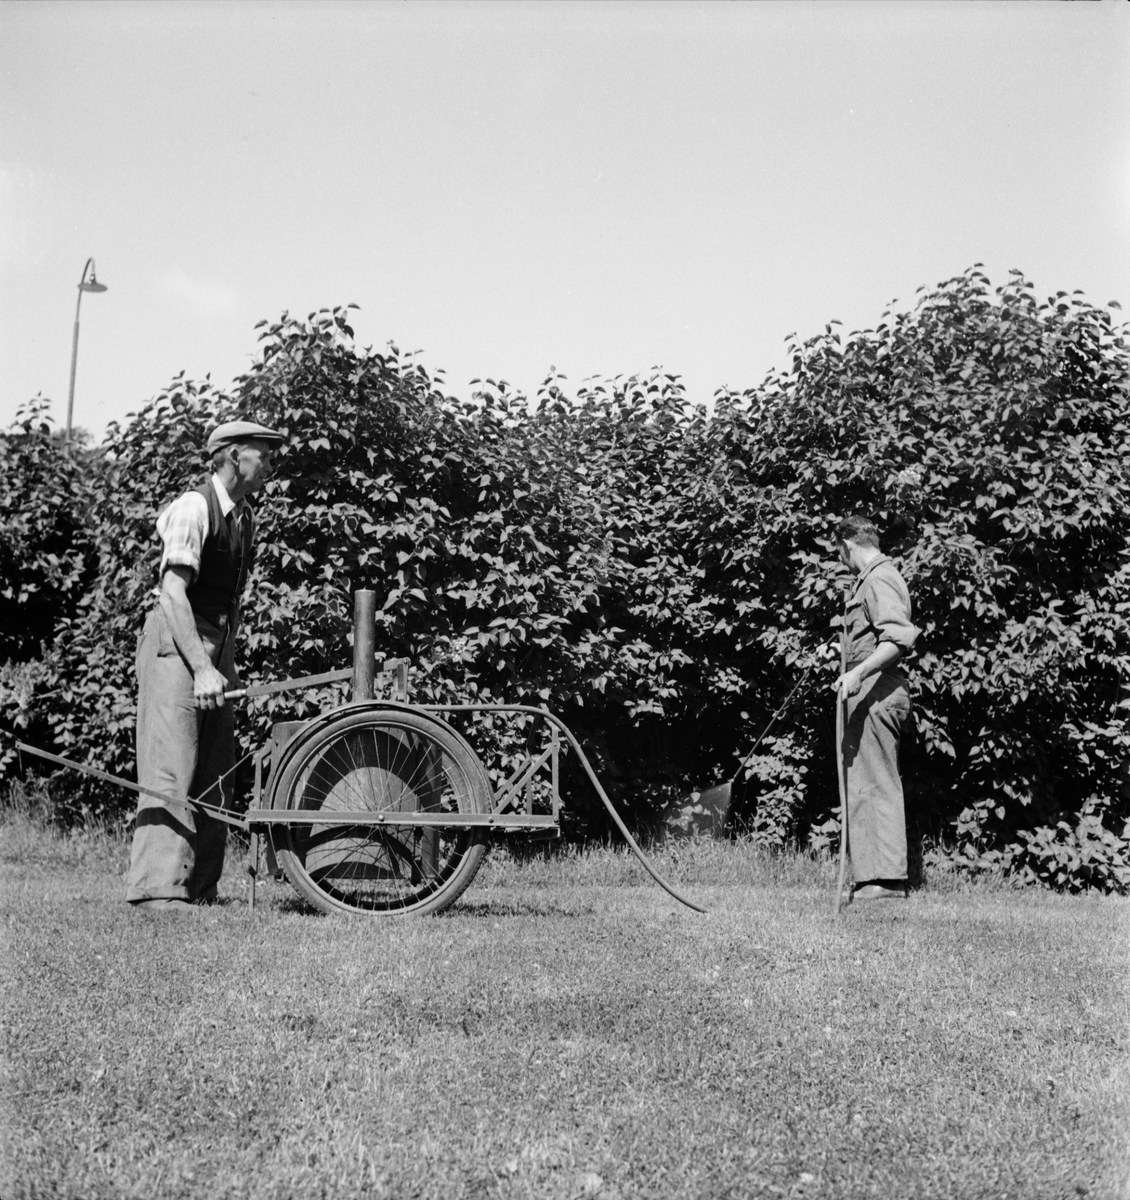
<point x="841" y="710"/>
<point x="287" y="685"/>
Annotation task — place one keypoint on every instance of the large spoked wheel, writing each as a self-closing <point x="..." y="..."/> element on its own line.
<point x="381" y="761"/>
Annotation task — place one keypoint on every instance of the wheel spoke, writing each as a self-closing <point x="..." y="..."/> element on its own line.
<point x="378" y="762"/>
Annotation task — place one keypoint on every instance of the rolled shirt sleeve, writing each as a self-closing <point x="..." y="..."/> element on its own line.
<point x="182" y="527"/>
<point x="878" y="611"/>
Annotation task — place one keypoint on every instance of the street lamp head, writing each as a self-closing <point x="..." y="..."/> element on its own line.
<point x="84" y="285"/>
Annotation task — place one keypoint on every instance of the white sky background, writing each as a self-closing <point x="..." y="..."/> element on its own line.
<point x="600" y="186"/>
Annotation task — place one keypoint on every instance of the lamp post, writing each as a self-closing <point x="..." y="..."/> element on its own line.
<point x="84" y="285"/>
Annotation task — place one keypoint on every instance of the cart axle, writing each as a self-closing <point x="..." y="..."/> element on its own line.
<point x="285" y="816"/>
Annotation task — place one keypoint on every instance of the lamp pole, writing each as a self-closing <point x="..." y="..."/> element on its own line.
<point x="84" y="285"/>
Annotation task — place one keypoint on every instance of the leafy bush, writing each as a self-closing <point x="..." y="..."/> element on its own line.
<point x="988" y="436"/>
<point x="661" y="577"/>
<point x="46" y="559"/>
<point x="45" y="548"/>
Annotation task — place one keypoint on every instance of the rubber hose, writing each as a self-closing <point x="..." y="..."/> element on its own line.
<point x="548" y="716"/>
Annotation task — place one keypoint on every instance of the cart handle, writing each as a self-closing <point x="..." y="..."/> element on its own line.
<point x="308" y="681"/>
<point x="214" y="810"/>
<point x="288" y="685"/>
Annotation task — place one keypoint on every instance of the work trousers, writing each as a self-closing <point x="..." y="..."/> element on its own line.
<point x="876" y="715"/>
<point x="182" y="751"/>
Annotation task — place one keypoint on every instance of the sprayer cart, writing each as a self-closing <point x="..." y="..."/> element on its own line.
<point x="381" y="806"/>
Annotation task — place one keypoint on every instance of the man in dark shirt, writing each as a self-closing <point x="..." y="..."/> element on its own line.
<point x="877" y="634"/>
<point x="185" y="660"/>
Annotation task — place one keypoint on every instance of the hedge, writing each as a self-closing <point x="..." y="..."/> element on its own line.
<point x="658" y="573"/>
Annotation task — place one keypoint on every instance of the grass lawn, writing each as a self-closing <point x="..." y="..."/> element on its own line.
<point x="567" y="1030"/>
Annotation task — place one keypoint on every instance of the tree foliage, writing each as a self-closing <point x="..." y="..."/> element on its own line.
<point x="661" y="576"/>
<point x="988" y="435"/>
<point x="44" y="547"/>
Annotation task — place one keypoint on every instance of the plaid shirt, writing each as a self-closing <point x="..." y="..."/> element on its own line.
<point x="183" y="526"/>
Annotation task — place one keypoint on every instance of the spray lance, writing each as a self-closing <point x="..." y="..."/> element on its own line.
<point x="721" y="793"/>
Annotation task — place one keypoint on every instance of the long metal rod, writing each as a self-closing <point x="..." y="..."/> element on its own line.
<point x="369" y="816"/>
<point x="841" y="710"/>
<point x="74" y="358"/>
<point x="71" y="392"/>
<point x="308" y="681"/>
<point x="221" y="814"/>
<point x="288" y="685"/>
<point x="773" y="720"/>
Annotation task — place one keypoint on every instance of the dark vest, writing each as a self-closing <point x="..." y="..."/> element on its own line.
<point x="224" y="560"/>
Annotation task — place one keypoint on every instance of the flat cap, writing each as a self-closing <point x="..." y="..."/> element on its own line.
<point x="231" y="433"/>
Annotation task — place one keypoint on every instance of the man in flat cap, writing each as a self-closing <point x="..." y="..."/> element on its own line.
<point x="877" y="634"/>
<point x="185" y="660"/>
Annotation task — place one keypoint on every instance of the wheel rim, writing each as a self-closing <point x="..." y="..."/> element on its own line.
<point x="379" y="767"/>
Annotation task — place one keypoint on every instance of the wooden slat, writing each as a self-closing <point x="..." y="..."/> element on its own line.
<point x="521" y="779"/>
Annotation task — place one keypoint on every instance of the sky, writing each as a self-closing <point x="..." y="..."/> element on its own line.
<point x="510" y="187"/>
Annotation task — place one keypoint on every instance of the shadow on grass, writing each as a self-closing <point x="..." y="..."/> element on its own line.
<point x="293" y="905"/>
<point x="514" y="908"/>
